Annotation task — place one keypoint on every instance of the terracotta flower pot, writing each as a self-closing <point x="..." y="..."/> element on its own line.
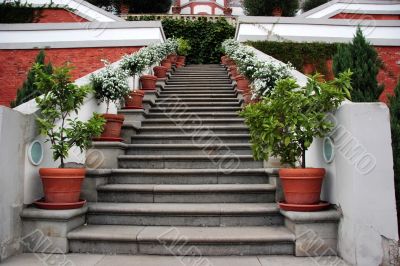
<point x="329" y="75"/>
<point x="242" y="83"/>
<point x="230" y="62"/>
<point x="62" y="185"/>
<point x="277" y="12"/>
<point x="134" y="100"/>
<point x="112" y="128"/>
<point x="160" y="71"/>
<point x="308" y="68"/>
<point x="166" y="63"/>
<point x="233" y="71"/>
<point x="148" y="82"/>
<point x="172" y="58"/>
<point x="302" y="185"/>
<point x="223" y="59"/>
<point x="181" y="60"/>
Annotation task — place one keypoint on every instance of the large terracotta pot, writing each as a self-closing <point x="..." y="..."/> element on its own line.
<point x="112" y="128"/>
<point x="148" y="82"/>
<point x="223" y="59"/>
<point x="172" y="58"/>
<point x="166" y="63"/>
<point x="302" y="185"/>
<point x="230" y="62"/>
<point x="233" y="71"/>
<point x="329" y="75"/>
<point x="181" y="61"/>
<point x="242" y="83"/>
<point x="62" y="185"/>
<point x="308" y="68"/>
<point x="134" y="100"/>
<point x="160" y="71"/>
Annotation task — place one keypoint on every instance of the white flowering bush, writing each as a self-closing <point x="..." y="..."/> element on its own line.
<point x="262" y="75"/>
<point x="110" y="84"/>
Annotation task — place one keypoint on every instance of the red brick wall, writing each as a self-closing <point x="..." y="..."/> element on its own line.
<point x="16" y="63"/>
<point x="366" y="16"/>
<point x="391" y="71"/>
<point x="59" y="15"/>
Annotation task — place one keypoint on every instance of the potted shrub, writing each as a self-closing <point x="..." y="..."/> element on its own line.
<point x="160" y="71"/>
<point x="59" y="98"/>
<point x="284" y="125"/>
<point x="183" y="51"/>
<point x="111" y="85"/>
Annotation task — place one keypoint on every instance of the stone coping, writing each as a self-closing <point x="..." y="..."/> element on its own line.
<point x="41" y="214"/>
<point x="332" y="215"/>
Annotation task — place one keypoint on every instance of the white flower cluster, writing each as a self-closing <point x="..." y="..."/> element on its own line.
<point x="137" y="62"/>
<point x="262" y="75"/>
<point x="110" y="84"/>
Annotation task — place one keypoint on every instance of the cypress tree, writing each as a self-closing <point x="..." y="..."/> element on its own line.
<point x="394" y="106"/>
<point x="29" y="91"/>
<point x="362" y="59"/>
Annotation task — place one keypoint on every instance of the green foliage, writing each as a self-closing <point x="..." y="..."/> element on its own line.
<point x="285" y="123"/>
<point x="112" y="6"/>
<point x="59" y="98"/>
<point x="265" y="8"/>
<point x="29" y="91"/>
<point x="362" y="59"/>
<point x="17" y="12"/>
<point x="299" y="53"/>
<point x="310" y="4"/>
<point x="204" y="37"/>
<point x="183" y="47"/>
<point x="394" y="105"/>
<point x="149" y="6"/>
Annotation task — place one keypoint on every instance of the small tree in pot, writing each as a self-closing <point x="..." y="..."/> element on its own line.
<point x="111" y="85"/>
<point x="284" y="125"/>
<point x="59" y="98"/>
<point x="183" y="50"/>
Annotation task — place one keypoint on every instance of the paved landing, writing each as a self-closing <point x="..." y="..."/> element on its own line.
<point x="107" y="260"/>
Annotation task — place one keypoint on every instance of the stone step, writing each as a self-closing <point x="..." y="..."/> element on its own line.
<point x="203" y="79"/>
<point x="207" y="137"/>
<point x="200" y="129"/>
<point x="195" y="103"/>
<point x="228" y="162"/>
<point x="196" y="93"/>
<point x="185" y="176"/>
<point x="202" y="71"/>
<point x="205" y="99"/>
<point x="182" y="240"/>
<point x="199" y="76"/>
<point x="198" y="89"/>
<point x="181" y="96"/>
<point x="198" y="193"/>
<point x="184" y="214"/>
<point x="189" y="83"/>
<point x="182" y="115"/>
<point x="189" y="149"/>
<point x="194" y="121"/>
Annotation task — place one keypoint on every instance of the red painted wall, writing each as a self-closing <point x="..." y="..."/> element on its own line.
<point x="366" y="16"/>
<point x="59" y="15"/>
<point x="391" y="71"/>
<point x="16" y="64"/>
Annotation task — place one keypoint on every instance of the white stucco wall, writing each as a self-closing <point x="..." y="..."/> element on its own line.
<point x="237" y="11"/>
<point x="202" y="8"/>
<point x="185" y="10"/>
<point x="360" y="181"/>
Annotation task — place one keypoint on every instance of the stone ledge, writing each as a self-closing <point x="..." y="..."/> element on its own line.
<point x="312" y="217"/>
<point x="41" y="214"/>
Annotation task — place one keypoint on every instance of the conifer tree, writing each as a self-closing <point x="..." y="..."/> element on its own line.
<point x="362" y="59"/>
<point x="29" y="91"/>
<point x="394" y="106"/>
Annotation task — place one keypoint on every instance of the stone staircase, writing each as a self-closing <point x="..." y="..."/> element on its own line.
<point x="187" y="183"/>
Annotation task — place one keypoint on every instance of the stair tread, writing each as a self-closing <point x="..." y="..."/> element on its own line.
<point x="149" y="136"/>
<point x="194" y="127"/>
<point x="206" y="145"/>
<point x="184" y="208"/>
<point x="188" y="188"/>
<point x="187" y="234"/>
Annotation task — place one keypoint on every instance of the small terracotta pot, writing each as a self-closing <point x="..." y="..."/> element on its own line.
<point x="242" y="83"/>
<point x="134" y="100"/>
<point x="179" y="65"/>
<point x="181" y="60"/>
<point x="172" y="58"/>
<point x="166" y="63"/>
<point x="233" y="71"/>
<point x="230" y="62"/>
<point x="223" y="59"/>
<point x="148" y="82"/>
<point x="112" y="128"/>
<point x="160" y="71"/>
<point x="277" y="12"/>
<point x="329" y="75"/>
<point x="302" y="185"/>
<point x="308" y="68"/>
<point x="62" y="185"/>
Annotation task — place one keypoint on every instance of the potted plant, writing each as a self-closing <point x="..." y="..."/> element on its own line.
<point x="111" y="85"/>
<point x="59" y="98"/>
<point x="160" y="71"/>
<point x="284" y="125"/>
<point x="183" y="51"/>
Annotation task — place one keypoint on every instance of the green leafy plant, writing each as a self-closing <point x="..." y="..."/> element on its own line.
<point x="29" y="91"/>
<point x="311" y="4"/>
<point x="394" y="106"/>
<point x="362" y="59"/>
<point x="183" y="47"/>
<point x="59" y="98"/>
<point x="110" y="84"/>
<point x="149" y="6"/>
<point x="265" y="8"/>
<point x="285" y="123"/>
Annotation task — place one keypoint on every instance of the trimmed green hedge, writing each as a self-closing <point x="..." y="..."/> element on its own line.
<point x="298" y="53"/>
